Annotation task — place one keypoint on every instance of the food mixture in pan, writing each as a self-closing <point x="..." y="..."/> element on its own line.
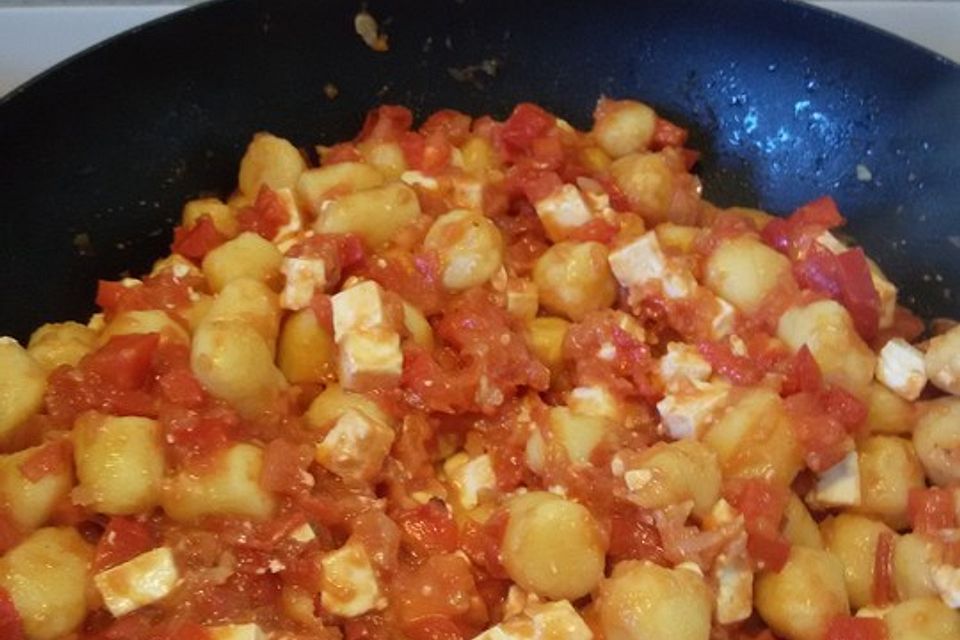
<point x="492" y="380"/>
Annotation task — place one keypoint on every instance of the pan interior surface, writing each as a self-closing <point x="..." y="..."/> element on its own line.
<point x="787" y="103"/>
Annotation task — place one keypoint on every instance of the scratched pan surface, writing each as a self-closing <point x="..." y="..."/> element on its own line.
<point x="786" y="101"/>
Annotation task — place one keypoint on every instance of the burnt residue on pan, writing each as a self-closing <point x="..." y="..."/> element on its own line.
<point x="786" y="101"/>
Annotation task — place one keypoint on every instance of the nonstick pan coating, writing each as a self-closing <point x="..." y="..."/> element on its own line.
<point x="97" y="156"/>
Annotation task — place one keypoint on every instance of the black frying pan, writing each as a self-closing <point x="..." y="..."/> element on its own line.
<point x="785" y="100"/>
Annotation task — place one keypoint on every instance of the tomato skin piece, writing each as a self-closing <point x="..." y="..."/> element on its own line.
<point x="197" y="241"/>
<point x="851" y="628"/>
<point x="11" y="624"/>
<point x="123" y="539"/>
<point x="428" y="529"/>
<point x="125" y="361"/>
<point x="931" y="509"/>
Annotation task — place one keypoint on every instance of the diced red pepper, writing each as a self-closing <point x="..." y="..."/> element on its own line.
<point x="851" y="628"/>
<point x="197" y="241"/>
<point x="125" y="361"/>
<point x="931" y="509"/>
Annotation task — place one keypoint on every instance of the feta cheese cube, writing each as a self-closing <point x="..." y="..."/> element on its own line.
<point x="418" y="179"/>
<point x="563" y="211"/>
<point x="683" y="362"/>
<point x="839" y="486"/>
<point x="594" y="400"/>
<point x="355" y="447"/>
<point x="643" y="261"/>
<point x="349" y="586"/>
<point x="686" y="413"/>
<point x="360" y="307"/>
<point x="236" y="632"/>
<point x="734" y="584"/>
<point x="946" y="579"/>
<point x="145" y="579"/>
<point x="873" y="612"/>
<point x="304" y="276"/>
<point x="900" y="367"/>
<point x="369" y="360"/>
<point x="471" y="478"/>
<point x="722" y="513"/>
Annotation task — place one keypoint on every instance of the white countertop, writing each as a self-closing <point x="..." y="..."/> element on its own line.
<point x="36" y="35"/>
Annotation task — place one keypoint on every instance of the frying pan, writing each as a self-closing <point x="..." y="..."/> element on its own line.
<point x="97" y="156"/>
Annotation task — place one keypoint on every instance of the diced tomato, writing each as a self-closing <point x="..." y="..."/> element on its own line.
<point x="11" y="625"/>
<point x="428" y="529"/>
<point x="197" y="241"/>
<point x="284" y="465"/>
<point x="858" y="293"/>
<point x="667" y="134"/>
<point x="452" y="594"/>
<point x="633" y="536"/>
<point x="539" y="185"/>
<point x="109" y="294"/>
<point x="762" y="504"/>
<point x="194" y="438"/>
<point x="739" y="369"/>
<point x="181" y="387"/>
<point x="822" y="212"/>
<point x="429" y="154"/>
<point x="123" y="539"/>
<point x="163" y="291"/>
<point x="525" y="124"/>
<point x="452" y="125"/>
<point x="547" y="151"/>
<point x="124" y="362"/>
<point x="848" y="409"/>
<point x="185" y="631"/>
<point x="386" y="123"/>
<point x="818" y="269"/>
<point x="481" y="542"/>
<point x="803" y="373"/>
<point x="883" y="589"/>
<point x="266" y="216"/>
<point x="822" y="437"/>
<point x="368" y="627"/>
<point x="851" y="628"/>
<point x="931" y="509"/>
<point x="52" y="458"/>
<point x="322" y="309"/>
